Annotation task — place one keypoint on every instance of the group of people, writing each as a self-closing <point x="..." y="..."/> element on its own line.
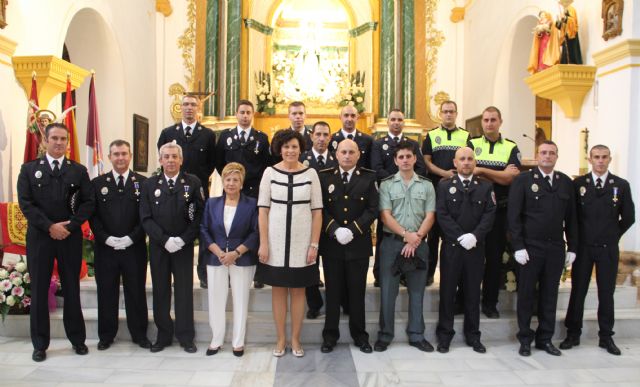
<point x="311" y="195"/>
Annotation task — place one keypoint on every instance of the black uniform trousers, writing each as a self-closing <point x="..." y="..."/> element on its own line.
<point x="179" y="264"/>
<point x="605" y="258"/>
<point x="350" y="277"/>
<point x="458" y="265"/>
<point x="546" y="261"/>
<point x="131" y="265"/>
<point x="314" y="298"/>
<point x="495" y="244"/>
<point x="41" y="251"/>
<point x="433" y="241"/>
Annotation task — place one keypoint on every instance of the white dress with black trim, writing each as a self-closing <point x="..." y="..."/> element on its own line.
<point x="290" y="197"/>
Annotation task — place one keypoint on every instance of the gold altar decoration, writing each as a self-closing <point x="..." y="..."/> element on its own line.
<point x="628" y="48"/>
<point x="176" y="91"/>
<point x="187" y="42"/>
<point x="564" y="84"/>
<point x="164" y="7"/>
<point x="458" y="13"/>
<point x="435" y="38"/>
<point x="16" y="224"/>
<point x="51" y="75"/>
<point x="7" y="48"/>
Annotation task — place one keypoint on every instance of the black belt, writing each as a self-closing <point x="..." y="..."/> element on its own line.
<point x="394" y="236"/>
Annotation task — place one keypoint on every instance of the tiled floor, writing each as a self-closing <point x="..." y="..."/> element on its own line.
<point x="127" y="365"/>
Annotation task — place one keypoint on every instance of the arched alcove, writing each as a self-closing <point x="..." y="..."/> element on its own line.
<point x="92" y="45"/>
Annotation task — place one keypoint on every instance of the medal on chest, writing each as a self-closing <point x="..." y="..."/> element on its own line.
<point x="186" y="192"/>
<point x="615" y="195"/>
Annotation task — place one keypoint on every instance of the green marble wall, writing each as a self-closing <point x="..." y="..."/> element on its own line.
<point x="387" y="58"/>
<point x="211" y="56"/>
<point x="408" y="60"/>
<point x="234" y="25"/>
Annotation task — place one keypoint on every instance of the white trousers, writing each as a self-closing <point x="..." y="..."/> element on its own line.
<point x="241" y="278"/>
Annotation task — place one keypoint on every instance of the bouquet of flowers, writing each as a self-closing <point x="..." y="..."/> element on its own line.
<point x="15" y="288"/>
<point x="352" y="92"/>
<point x="266" y="101"/>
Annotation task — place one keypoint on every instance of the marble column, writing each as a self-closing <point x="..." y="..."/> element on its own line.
<point x="387" y="58"/>
<point x="211" y="56"/>
<point x="408" y="60"/>
<point x="234" y="25"/>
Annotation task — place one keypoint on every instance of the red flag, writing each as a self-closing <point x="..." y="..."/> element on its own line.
<point x="33" y="131"/>
<point x="94" y="145"/>
<point x="70" y="121"/>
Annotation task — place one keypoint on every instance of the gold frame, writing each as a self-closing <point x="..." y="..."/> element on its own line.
<point x="3" y="13"/>
<point x="612" y="31"/>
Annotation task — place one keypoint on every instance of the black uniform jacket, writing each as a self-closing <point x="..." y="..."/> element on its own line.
<point x="309" y="159"/>
<point x="354" y="206"/>
<point x="364" y="142"/>
<point x="382" y="157"/>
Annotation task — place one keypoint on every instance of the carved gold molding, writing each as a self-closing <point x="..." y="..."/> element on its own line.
<point x="164" y="7"/>
<point x="435" y="38"/>
<point x="458" y="13"/>
<point x="7" y="48"/>
<point x="176" y="91"/>
<point x="187" y="42"/>
<point x="566" y="85"/>
<point x="617" y="52"/>
<point x="51" y="75"/>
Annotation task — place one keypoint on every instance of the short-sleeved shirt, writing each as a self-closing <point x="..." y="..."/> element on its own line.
<point x="496" y="155"/>
<point x="409" y="204"/>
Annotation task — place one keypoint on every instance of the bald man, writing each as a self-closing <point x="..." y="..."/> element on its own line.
<point x="465" y="207"/>
<point x="349" y="118"/>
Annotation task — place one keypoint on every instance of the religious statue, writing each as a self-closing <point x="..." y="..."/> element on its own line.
<point x="545" y="50"/>
<point x="567" y="23"/>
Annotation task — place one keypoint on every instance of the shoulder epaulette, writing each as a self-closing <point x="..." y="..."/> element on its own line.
<point x="506" y="139"/>
<point x="387" y="178"/>
<point x="367" y="170"/>
<point x="325" y="170"/>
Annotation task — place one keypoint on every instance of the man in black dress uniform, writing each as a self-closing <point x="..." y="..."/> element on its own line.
<point x="349" y="117"/>
<point x="465" y="207"/>
<point x="198" y="147"/>
<point x="170" y="209"/>
<point x="56" y="197"/>
<point x="317" y="157"/>
<point x="297" y="115"/>
<point x="120" y="248"/>
<point x="605" y="212"/>
<point x="350" y="198"/>
<point x="541" y="211"/>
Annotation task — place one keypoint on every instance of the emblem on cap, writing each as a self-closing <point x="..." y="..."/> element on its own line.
<point x="385" y="146"/>
<point x="38" y="174"/>
<point x="331" y="188"/>
<point x="452" y="190"/>
<point x="534" y="187"/>
<point x="582" y="190"/>
<point x="157" y="193"/>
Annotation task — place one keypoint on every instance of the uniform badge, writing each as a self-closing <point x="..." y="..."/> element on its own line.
<point x="229" y="141"/>
<point x="610" y="181"/>
<point x="182" y="181"/>
<point x="438" y="140"/>
<point x="104" y="190"/>
<point x="583" y="190"/>
<point x="385" y="146"/>
<point x="331" y="188"/>
<point x="235" y="137"/>
<point x="309" y="157"/>
<point x="108" y="179"/>
<point x="358" y="173"/>
<point x="478" y="151"/>
<point x="334" y="144"/>
<point x="157" y="193"/>
<point x="133" y="178"/>
<point x="41" y="161"/>
<point x="452" y="190"/>
<point x="615" y="194"/>
<point x="136" y="186"/>
<point x="305" y="163"/>
<point x="38" y="174"/>
<point x="186" y="192"/>
<point x="257" y="150"/>
<point x="588" y="180"/>
<point x="493" y="197"/>
<point x="251" y="138"/>
<point x="359" y="134"/>
<point x="534" y="187"/>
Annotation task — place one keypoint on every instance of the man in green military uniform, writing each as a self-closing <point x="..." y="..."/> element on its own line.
<point x="498" y="160"/>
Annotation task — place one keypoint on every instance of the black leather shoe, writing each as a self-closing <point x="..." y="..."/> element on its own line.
<point x="443" y="348"/>
<point x="143" y="343"/>
<point x="610" y="346"/>
<point x="477" y="346"/>
<point x="490" y="312"/>
<point x="380" y="346"/>
<point x="429" y="281"/>
<point x="80" y="349"/>
<point x="364" y="346"/>
<point x="570" y="342"/>
<point x="157" y="347"/>
<point x="525" y="349"/>
<point x="327" y="347"/>
<point x="422" y="345"/>
<point x="39" y="355"/>
<point x="313" y="314"/>
<point x="211" y="352"/>
<point x="204" y="284"/>
<point x="189" y="347"/>
<point x="238" y="352"/>
<point x="258" y="285"/>
<point x="549" y="348"/>
<point x="104" y="344"/>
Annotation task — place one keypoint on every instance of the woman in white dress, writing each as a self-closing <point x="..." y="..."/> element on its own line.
<point x="290" y="219"/>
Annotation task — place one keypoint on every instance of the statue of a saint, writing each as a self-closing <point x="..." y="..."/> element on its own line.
<point x="545" y="50"/>
<point x="567" y="23"/>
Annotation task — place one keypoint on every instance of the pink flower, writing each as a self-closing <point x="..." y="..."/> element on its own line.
<point x="26" y="302"/>
<point x="3" y="298"/>
<point x="27" y="278"/>
<point x="5" y="285"/>
<point x="18" y="291"/>
<point x="14" y="275"/>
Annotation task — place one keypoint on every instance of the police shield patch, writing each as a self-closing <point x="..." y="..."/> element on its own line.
<point x="478" y="151"/>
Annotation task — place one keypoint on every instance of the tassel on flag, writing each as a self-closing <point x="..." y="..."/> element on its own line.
<point x="94" y="164"/>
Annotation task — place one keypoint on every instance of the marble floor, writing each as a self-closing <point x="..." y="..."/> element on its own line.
<point x="401" y="365"/>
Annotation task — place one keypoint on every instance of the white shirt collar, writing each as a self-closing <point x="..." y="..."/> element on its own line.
<point x="302" y="131"/>
<point x="545" y="175"/>
<point x="462" y="178"/>
<point x="350" y="172"/>
<point x="50" y="160"/>
<point x="391" y="135"/>
<point x="247" y="131"/>
<point x="325" y="154"/>
<point x="175" y="178"/>
<point x="603" y="177"/>
<point x="193" y="126"/>
<point x="124" y="175"/>
<point x="345" y="133"/>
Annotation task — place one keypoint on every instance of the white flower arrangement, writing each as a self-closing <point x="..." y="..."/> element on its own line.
<point x="266" y="100"/>
<point x="353" y="92"/>
<point x="15" y="288"/>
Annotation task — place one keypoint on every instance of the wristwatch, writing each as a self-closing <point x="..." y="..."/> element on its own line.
<point x="313" y="245"/>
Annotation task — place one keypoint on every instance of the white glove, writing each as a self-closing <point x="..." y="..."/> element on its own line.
<point x="569" y="258"/>
<point x="171" y="245"/>
<point x="343" y="235"/>
<point x="468" y="241"/>
<point x="123" y="243"/>
<point x="179" y="242"/>
<point x="112" y="241"/>
<point x="521" y="256"/>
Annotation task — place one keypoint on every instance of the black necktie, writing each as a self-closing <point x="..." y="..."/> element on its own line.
<point x="350" y="136"/>
<point x="598" y="183"/>
<point x="345" y="177"/>
<point x="187" y="132"/>
<point x="170" y="181"/>
<point x="466" y="183"/>
<point x="321" y="161"/>
<point x="548" y="179"/>
<point x="120" y="183"/>
<point x="56" y="168"/>
<point x="396" y="139"/>
<point x="242" y="137"/>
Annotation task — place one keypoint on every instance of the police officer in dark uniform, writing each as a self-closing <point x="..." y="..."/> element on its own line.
<point x="605" y="212"/>
<point x="297" y="115"/>
<point x="540" y="213"/>
<point x="383" y="163"/>
<point x="349" y="117"/>
<point x="120" y="248"/>
<point x="171" y="206"/>
<point x="498" y="160"/>
<point x="245" y="145"/>
<point x="465" y="209"/>
<point x="350" y="199"/>
<point x="56" y="197"/>
<point x="317" y="157"/>
<point x="439" y="148"/>
<point x="198" y="147"/>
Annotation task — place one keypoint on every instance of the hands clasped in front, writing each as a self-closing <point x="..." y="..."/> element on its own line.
<point x="413" y="240"/>
<point x="119" y="243"/>
<point x="174" y="244"/>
